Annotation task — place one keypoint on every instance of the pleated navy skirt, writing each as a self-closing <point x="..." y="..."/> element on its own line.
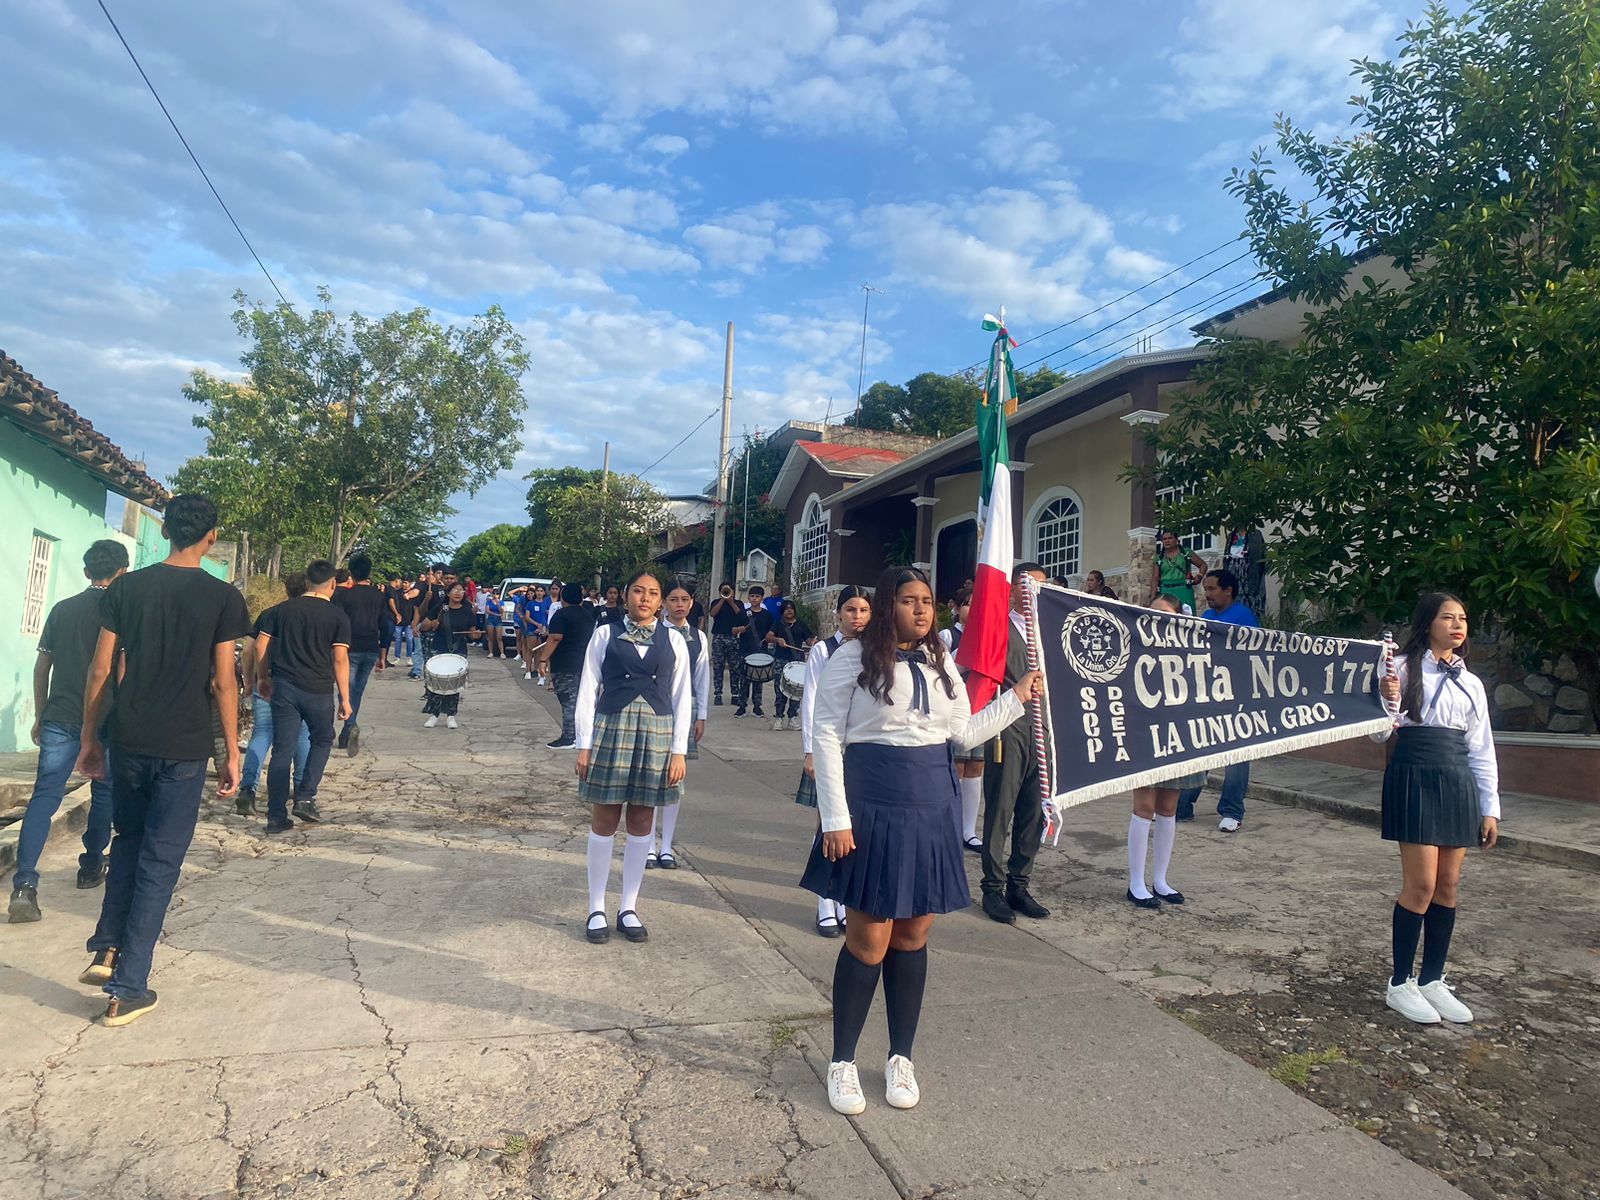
<point x="905" y="812"/>
<point x="1430" y="797"/>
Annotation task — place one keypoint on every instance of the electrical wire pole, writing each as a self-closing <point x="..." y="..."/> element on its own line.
<point x="605" y="486"/>
<point x="861" y="369"/>
<point x="719" y="539"/>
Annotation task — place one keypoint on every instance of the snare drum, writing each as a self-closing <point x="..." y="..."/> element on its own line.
<point x="445" y="674"/>
<point x="758" y="668"/>
<point x="792" y="683"/>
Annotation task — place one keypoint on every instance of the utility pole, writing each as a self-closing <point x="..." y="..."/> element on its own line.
<point x="744" y="524"/>
<point x="861" y="369"/>
<point x="719" y="539"/>
<point x="605" y="486"/>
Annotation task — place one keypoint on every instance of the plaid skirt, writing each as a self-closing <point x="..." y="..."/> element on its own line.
<point x="628" y="762"/>
<point x="806" y="794"/>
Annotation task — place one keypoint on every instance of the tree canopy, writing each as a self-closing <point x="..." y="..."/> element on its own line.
<point x="935" y="405"/>
<point x="585" y="524"/>
<point x="1435" y="424"/>
<point x="497" y="553"/>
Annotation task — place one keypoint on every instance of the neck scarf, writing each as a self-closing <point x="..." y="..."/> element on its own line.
<point x="1450" y="672"/>
<point x="639" y="635"/>
<point x="919" y="684"/>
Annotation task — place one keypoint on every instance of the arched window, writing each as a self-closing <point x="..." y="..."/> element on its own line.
<point x="811" y="548"/>
<point x="1058" y="536"/>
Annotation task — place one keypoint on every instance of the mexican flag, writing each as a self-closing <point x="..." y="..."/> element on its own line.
<point x="982" y="652"/>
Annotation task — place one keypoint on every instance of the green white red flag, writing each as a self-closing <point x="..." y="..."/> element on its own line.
<point x="982" y="653"/>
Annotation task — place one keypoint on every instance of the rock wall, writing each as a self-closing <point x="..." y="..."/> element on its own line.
<point x="1547" y="700"/>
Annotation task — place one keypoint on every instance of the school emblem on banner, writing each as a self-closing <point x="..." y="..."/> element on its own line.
<point x="1096" y="643"/>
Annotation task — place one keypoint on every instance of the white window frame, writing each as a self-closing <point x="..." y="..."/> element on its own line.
<point x="811" y="546"/>
<point x="35" y="600"/>
<point x="1036" y="517"/>
<point x="1193" y="539"/>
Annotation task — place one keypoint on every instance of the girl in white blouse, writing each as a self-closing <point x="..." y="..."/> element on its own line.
<point x="680" y="603"/>
<point x="889" y="710"/>
<point x="1441" y="794"/>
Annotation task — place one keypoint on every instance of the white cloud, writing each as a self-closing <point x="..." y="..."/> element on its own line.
<point x="745" y="239"/>
<point x="667" y="145"/>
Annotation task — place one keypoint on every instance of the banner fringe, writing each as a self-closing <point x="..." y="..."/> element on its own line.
<point x="1285" y="745"/>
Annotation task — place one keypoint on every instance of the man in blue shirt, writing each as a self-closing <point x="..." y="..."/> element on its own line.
<point x="1223" y="604"/>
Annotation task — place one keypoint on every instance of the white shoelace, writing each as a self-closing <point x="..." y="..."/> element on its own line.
<point x="846" y="1080"/>
<point x="900" y="1073"/>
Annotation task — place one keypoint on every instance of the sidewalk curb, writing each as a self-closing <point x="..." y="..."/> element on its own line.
<point x="71" y="817"/>
<point x="1538" y="849"/>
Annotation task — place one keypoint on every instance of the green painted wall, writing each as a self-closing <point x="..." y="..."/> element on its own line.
<point x="40" y="491"/>
<point x="151" y="547"/>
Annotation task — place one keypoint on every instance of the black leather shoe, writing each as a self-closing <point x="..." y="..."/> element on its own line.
<point x="995" y="905"/>
<point x="1170" y="897"/>
<point x="598" y="933"/>
<point x="1143" y="902"/>
<point x="1022" y="900"/>
<point x="92" y="877"/>
<point x="306" y="810"/>
<point x="634" y="933"/>
<point x="245" y="802"/>
<point x="279" y="826"/>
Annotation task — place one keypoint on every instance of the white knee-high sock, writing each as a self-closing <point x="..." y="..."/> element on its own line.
<point x="1138" y="843"/>
<point x="599" y="870"/>
<point x="634" y="850"/>
<point x="971" y="802"/>
<point x="824" y="908"/>
<point x="667" y="825"/>
<point x="1166" y="833"/>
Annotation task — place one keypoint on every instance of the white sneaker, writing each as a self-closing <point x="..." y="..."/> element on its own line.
<point x="844" y="1089"/>
<point x="430" y="722"/>
<point x="902" y="1083"/>
<point x="1443" y="1001"/>
<point x="1228" y="825"/>
<point x="450" y="723"/>
<point x="527" y="674"/>
<point x="777" y="723"/>
<point x="1407" y="1000"/>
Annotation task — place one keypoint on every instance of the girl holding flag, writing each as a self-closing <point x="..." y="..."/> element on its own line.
<point x="888" y="711"/>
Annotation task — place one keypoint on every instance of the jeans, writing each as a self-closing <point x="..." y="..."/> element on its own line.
<point x="154" y="805"/>
<point x="1235" y="782"/>
<point x="261" y="742"/>
<point x="361" y="664"/>
<point x="405" y="642"/>
<point x="58" y="751"/>
<point x="566" y="686"/>
<point x="290" y="706"/>
<point x="419" y="657"/>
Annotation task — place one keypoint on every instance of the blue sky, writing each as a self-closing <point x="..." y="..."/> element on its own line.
<point x="625" y="178"/>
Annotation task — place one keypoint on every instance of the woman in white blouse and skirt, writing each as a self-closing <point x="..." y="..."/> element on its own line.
<point x="890" y="710"/>
<point x="1441" y="794"/>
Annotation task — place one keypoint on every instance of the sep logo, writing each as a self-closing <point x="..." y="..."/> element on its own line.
<point x="1096" y="643"/>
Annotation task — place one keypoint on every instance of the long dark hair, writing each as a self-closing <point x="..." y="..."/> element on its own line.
<point x="1416" y="645"/>
<point x="879" y="641"/>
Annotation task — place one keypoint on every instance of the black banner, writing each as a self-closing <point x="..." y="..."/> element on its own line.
<point x="1137" y="697"/>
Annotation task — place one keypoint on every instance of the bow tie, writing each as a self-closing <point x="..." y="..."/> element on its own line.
<point x="919" y="685"/>
<point x="640" y="635"/>
<point x="1451" y="667"/>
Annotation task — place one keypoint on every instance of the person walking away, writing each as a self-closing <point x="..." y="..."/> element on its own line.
<point x="787" y="641"/>
<point x="1441" y="794"/>
<point x="635" y="711"/>
<point x="449" y="636"/>
<point x="969" y="763"/>
<point x="1223" y="604"/>
<point x="363" y="606"/>
<point x="66" y="648"/>
<point x="752" y="640"/>
<point x="170" y="628"/>
<point x="1154" y="809"/>
<point x="890" y="707"/>
<point x="255" y="755"/>
<point x="1177" y="570"/>
<point x="303" y="669"/>
<point x="1011" y="797"/>
<point x="563" y="654"/>
<point x="854" y="611"/>
<point x="679" y="605"/>
<point x="727" y="613"/>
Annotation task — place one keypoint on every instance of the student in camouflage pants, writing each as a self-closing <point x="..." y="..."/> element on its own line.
<point x="727" y="622"/>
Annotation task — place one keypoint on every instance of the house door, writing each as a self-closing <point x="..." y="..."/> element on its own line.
<point x="955" y="558"/>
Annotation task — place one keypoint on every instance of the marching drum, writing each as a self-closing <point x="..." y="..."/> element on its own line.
<point x="792" y="683"/>
<point x="758" y="668"/>
<point x="445" y="674"/>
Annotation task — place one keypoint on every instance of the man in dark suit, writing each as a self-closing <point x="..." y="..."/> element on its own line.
<point x="1011" y="788"/>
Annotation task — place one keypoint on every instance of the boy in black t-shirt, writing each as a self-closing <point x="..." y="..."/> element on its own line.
<point x="303" y="668"/>
<point x="174" y="627"/>
<point x="752" y="633"/>
<point x="365" y="607"/>
<point x="66" y="648"/>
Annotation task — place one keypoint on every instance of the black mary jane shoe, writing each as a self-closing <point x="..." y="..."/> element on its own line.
<point x="830" y="927"/>
<point x="973" y="845"/>
<point x="1143" y="902"/>
<point x="634" y="933"/>
<point x="667" y="863"/>
<point x="597" y="933"/>
<point x="652" y="861"/>
<point x="1169" y="897"/>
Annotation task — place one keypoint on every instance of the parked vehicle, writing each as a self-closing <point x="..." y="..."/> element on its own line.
<point x="508" y="626"/>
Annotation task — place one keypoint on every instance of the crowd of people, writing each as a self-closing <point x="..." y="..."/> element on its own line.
<point x="139" y="678"/>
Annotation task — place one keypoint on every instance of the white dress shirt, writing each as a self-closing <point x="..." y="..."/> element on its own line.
<point x="700" y="680"/>
<point x="1464" y="707"/>
<point x="846" y="713"/>
<point x="816" y="662"/>
<point x="678" y="691"/>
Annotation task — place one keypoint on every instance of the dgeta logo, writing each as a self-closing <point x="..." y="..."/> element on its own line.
<point x="1096" y="643"/>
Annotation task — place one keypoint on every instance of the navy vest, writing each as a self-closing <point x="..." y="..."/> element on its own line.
<point x="624" y="674"/>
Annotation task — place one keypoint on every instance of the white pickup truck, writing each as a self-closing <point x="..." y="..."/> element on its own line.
<point x="508" y="625"/>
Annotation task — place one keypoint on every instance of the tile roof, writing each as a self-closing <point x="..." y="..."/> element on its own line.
<point x="855" y="460"/>
<point x="40" y="412"/>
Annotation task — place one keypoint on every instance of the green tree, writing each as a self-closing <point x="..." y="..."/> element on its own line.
<point x="544" y="483"/>
<point x="1436" y="431"/>
<point x="607" y="530"/>
<point x="497" y="553"/>
<point x="1036" y="383"/>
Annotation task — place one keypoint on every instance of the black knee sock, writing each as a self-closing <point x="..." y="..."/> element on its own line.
<point x="905" y="975"/>
<point x="1407" y="932"/>
<point x="1438" y="923"/>
<point x="854" y="983"/>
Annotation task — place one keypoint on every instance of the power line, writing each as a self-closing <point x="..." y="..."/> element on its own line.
<point x="680" y="442"/>
<point x="192" y="157"/>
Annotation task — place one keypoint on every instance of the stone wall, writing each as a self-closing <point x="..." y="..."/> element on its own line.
<point x="1547" y="700"/>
